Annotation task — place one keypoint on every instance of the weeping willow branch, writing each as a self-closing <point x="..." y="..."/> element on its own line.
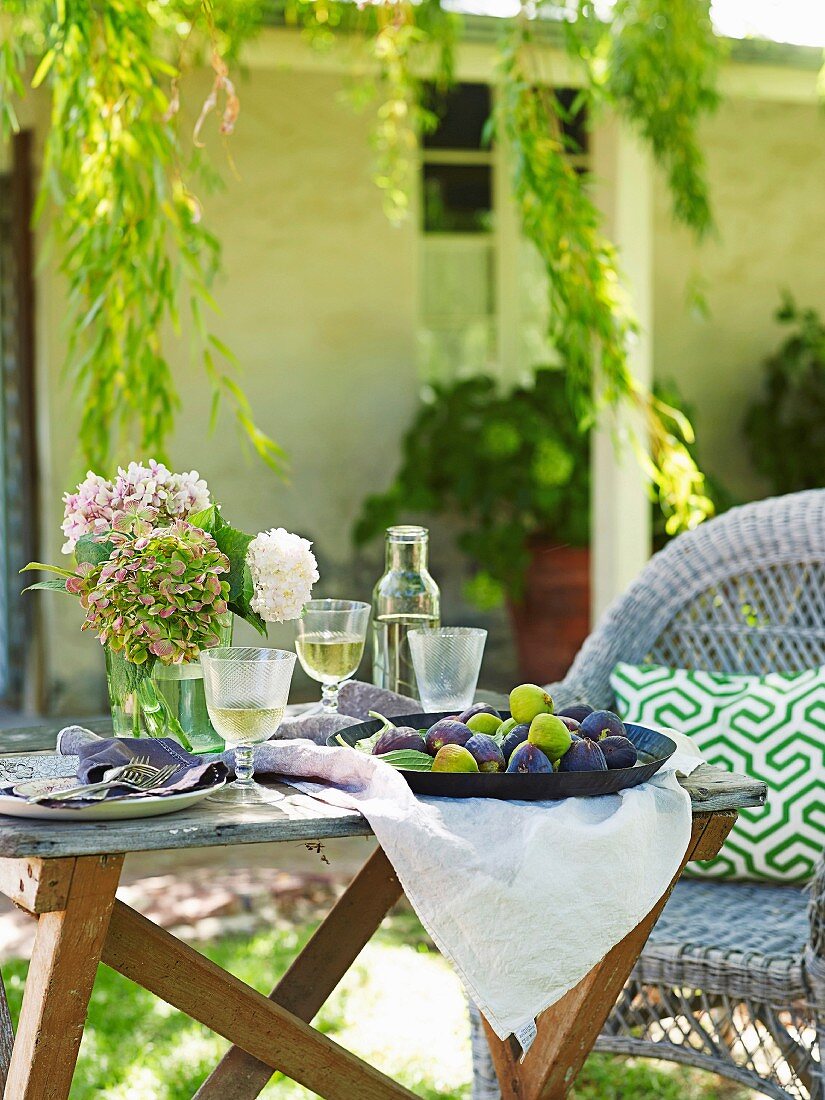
<point x="656" y="63"/>
<point x="128" y="228"/>
<point x="403" y="38"/>
<point x="590" y="321"/>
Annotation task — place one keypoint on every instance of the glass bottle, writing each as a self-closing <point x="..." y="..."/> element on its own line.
<point x="405" y="597"/>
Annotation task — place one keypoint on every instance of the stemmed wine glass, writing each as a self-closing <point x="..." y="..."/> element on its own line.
<point x="330" y="644"/>
<point x="246" y="695"/>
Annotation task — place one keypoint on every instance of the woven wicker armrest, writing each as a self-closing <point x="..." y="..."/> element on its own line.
<point x="815" y="951"/>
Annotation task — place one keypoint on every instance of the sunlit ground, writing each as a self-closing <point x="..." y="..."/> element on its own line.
<point x="400" y="1007"/>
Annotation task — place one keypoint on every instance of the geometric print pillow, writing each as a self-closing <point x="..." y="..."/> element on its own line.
<point x="771" y="728"/>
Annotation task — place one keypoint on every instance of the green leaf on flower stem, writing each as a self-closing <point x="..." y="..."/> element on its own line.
<point x="90" y="549"/>
<point x="243" y="611"/>
<point x="208" y="519"/>
<point x="33" y="565"/>
<point x="234" y="544"/>
<point x="52" y="586"/>
<point x="248" y="586"/>
<point x="124" y="676"/>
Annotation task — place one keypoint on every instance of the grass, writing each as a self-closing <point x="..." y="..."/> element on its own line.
<point x="400" y="1007"/>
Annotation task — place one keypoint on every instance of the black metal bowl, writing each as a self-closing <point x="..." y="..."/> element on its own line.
<point x="654" y="749"/>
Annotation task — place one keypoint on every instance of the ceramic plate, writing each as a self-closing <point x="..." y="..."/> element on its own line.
<point x="108" y="810"/>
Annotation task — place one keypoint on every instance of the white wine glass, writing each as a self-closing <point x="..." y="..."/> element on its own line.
<point x="246" y="695"/>
<point x="330" y="644"/>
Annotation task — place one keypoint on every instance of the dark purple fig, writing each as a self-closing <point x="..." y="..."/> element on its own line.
<point x="602" y="723"/>
<point x="571" y="723"/>
<point x="579" y="711"/>
<point x="583" y="756"/>
<point x="401" y="737"/>
<point x="619" y="752"/>
<point x="477" y="708"/>
<point x="447" y="731"/>
<point x="527" y="758"/>
<point x="516" y="737"/>
<point x="486" y="753"/>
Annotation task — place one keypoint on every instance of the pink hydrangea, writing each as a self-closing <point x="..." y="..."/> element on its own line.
<point x="91" y="509"/>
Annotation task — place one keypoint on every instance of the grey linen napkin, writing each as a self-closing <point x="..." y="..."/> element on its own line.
<point x="355" y="701"/>
<point x="98" y="754"/>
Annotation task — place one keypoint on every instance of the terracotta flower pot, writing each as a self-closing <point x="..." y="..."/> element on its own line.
<point x="553" y="619"/>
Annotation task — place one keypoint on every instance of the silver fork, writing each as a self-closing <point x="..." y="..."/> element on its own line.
<point x="138" y="774"/>
<point x="147" y="781"/>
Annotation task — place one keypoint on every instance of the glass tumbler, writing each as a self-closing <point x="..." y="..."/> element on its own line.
<point x="447" y="661"/>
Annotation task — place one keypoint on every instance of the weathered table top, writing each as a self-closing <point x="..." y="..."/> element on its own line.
<point x="298" y="817"/>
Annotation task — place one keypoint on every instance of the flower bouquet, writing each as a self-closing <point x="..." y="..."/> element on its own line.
<point x="159" y="574"/>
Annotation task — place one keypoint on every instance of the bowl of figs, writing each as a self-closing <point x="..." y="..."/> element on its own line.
<point x="530" y="752"/>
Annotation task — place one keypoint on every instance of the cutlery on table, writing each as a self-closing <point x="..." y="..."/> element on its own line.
<point x="138" y="774"/>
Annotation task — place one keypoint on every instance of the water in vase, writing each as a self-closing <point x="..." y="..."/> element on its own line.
<point x="182" y="688"/>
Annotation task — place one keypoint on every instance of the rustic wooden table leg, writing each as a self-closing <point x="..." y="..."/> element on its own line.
<point x="6" y="1036"/>
<point x="61" y="974"/>
<point x="157" y="961"/>
<point x="315" y="972"/>
<point x="568" y="1030"/>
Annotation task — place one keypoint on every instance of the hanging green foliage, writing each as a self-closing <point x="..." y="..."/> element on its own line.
<point x="591" y="323"/>
<point x="654" y="62"/>
<point x="130" y="238"/>
<point x="135" y="251"/>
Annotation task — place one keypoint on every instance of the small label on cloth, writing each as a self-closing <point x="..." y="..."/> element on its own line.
<point x="525" y="1035"/>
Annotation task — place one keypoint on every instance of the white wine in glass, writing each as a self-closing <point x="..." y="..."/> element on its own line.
<point x="330" y="644"/>
<point x="244" y="725"/>
<point x="246" y="695"/>
<point x="329" y="656"/>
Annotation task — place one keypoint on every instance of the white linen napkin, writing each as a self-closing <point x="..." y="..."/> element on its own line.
<point x="524" y="898"/>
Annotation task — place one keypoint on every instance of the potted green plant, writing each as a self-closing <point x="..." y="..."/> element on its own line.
<point x="785" y="425"/>
<point x="514" y="468"/>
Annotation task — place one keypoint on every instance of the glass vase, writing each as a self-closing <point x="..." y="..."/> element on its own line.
<point x="166" y="701"/>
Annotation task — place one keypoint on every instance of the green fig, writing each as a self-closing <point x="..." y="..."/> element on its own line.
<point x="484" y="722"/>
<point x="550" y="734"/>
<point x="454" y="758"/>
<point x="529" y="700"/>
<point x="504" y="729"/>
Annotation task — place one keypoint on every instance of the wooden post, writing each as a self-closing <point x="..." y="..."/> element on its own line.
<point x="620" y="507"/>
<point x="61" y="974"/>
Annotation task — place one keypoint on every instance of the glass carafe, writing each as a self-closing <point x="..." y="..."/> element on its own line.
<point x="405" y="597"/>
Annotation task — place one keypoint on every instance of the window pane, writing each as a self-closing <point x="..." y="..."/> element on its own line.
<point x="457" y="330"/>
<point x="574" y="124"/>
<point x="457" y="198"/>
<point x="463" y="112"/>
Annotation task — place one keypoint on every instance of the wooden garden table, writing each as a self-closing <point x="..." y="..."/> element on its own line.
<point x="66" y="876"/>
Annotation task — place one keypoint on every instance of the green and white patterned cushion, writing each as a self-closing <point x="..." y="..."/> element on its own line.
<point x="768" y="727"/>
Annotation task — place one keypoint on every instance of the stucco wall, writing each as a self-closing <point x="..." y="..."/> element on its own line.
<point x="766" y="164"/>
<point x="318" y="302"/>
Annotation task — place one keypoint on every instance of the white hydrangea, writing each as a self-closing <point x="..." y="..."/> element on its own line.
<point x="283" y="570"/>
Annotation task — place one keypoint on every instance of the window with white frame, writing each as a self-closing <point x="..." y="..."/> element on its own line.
<point x="482" y="297"/>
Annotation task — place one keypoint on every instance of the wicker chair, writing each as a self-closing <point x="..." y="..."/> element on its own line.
<point x="732" y="979"/>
